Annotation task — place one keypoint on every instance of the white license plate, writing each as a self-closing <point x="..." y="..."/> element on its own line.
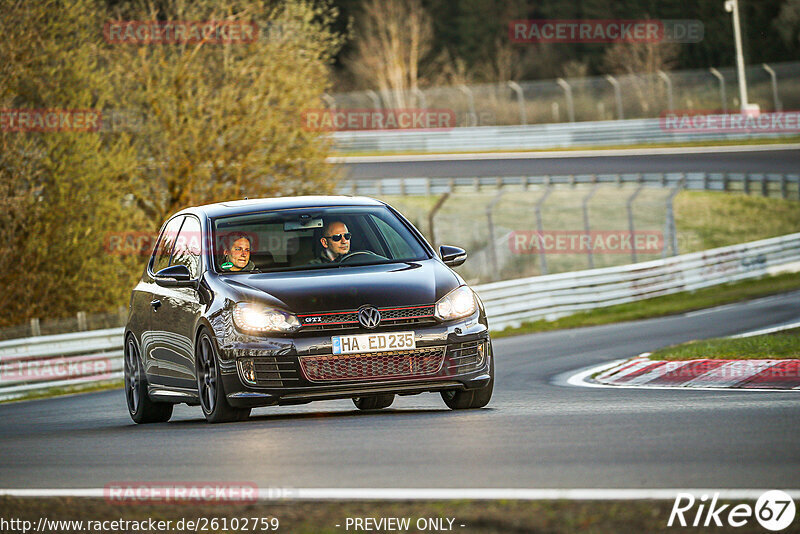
<point x="373" y="342"/>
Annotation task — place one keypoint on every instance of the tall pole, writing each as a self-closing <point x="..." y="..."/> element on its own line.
<point x="732" y="6"/>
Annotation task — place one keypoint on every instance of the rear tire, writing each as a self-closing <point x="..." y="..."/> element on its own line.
<point x="142" y="409"/>
<point x="209" y="385"/>
<point x="469" y="399"/>
<point x="374" y="402"/>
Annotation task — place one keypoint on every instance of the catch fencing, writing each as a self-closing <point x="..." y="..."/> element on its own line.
<point x="774" y="87"/>
<point x="574" y="112"/>
<point x="44" y="363"/>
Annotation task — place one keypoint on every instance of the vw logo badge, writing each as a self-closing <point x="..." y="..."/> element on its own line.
<point x="369" y="317"/>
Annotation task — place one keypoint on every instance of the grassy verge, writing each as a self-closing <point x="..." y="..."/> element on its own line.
<point x="778" y="345"/>
<point x="665" y="305"/>
<point x="489" y="517"/>
<point x="732" y="142"/>
<point x="70" y="390"/>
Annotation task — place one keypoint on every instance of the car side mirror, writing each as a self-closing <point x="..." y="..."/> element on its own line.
<point x="174" y="276"/>
<point x="452" y="256"/>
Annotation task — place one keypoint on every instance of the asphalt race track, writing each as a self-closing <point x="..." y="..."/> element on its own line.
<point x="537" y="432"/>
<point x="750" y="161"/>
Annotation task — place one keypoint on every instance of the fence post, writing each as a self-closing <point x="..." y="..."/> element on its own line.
<point x="784" y="192"/>
<point x="376" y="101"/>
<point x="668" y="82"/>
<point x="81" y="321"/>
<point x="631" y="229"/>
<point x="539" y="227"/>
<point x="764" y="185"/>
<point x="473" y="116"/>
<point x="669" y="224"/>
<point x="776" y="101"/>
<point x="568" y="95"/>
<point x="523" y="120"/>
<point x="36" y="329"/>
<point x="718" y="75"/>
<point x="490" y="229"/>
<point x="421" y="101"/>
<point x="432" y="215"/>
<point x="586" y="227"/>
<point x="617" y="94"/>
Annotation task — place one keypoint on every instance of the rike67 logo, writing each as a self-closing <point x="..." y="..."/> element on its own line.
<point x="774" y="510"/>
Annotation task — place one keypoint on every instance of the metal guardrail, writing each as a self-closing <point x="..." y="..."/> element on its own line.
<point x="35" y="364"/>
<point x="766" y="184"/>
<point x="531" y="137"/>
<point x="512" y="302"/>
<point x="46" y="362"/>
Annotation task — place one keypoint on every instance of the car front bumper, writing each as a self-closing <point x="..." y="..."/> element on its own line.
<point x="454" y="356"/>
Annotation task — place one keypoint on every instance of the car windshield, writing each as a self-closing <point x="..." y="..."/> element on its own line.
<point x="314" y="238"/>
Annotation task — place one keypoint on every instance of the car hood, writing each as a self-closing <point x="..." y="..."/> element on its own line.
<point x="348" y="288"/>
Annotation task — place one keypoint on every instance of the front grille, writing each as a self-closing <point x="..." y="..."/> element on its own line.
<point x="376" y="365"/>
<point x="466" y="356"/>
<point x="413" y="315"/>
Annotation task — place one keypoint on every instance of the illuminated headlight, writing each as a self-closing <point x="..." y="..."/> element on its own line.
<point x="254" y="318"/>
<point x="457" y="304"/>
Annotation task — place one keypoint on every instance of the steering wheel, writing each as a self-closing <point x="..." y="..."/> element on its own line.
<point x="346" y="257"/>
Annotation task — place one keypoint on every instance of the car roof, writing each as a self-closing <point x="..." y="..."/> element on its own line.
<point x="238" y="207"/>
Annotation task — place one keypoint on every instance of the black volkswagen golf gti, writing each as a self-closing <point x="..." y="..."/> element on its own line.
<point x="289" y="300"/>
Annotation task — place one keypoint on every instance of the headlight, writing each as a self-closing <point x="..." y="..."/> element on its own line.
<point x="459" y="303"/>
<point x="254" y="318"/>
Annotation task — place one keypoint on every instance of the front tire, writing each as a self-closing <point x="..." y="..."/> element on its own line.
<point x="140" y="406"/>
<point x="374" y="402"/>
<point x="209" y="385"/>
<point x="469" y="399"/>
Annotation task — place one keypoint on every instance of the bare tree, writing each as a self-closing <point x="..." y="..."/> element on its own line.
<point x="642" y="61"/>
<point x="392" y="38"/>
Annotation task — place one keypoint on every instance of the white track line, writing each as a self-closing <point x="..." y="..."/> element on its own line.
<point x="770" y="330"/>
<point x="599" y="153"/>
<point x="392" y="494"/>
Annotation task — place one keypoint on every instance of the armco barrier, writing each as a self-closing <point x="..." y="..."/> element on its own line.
<point x="531" y="137"/>
<point x="35" y="364"/>
<point x="508" y="303"/>
<point x="512" y="302"/>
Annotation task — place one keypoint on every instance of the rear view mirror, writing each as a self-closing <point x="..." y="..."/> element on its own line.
<point x="452" y="256"/>
<point x="174" y="276"/>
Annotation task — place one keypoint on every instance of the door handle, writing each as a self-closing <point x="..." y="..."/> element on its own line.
<point x="156" y="304"/>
